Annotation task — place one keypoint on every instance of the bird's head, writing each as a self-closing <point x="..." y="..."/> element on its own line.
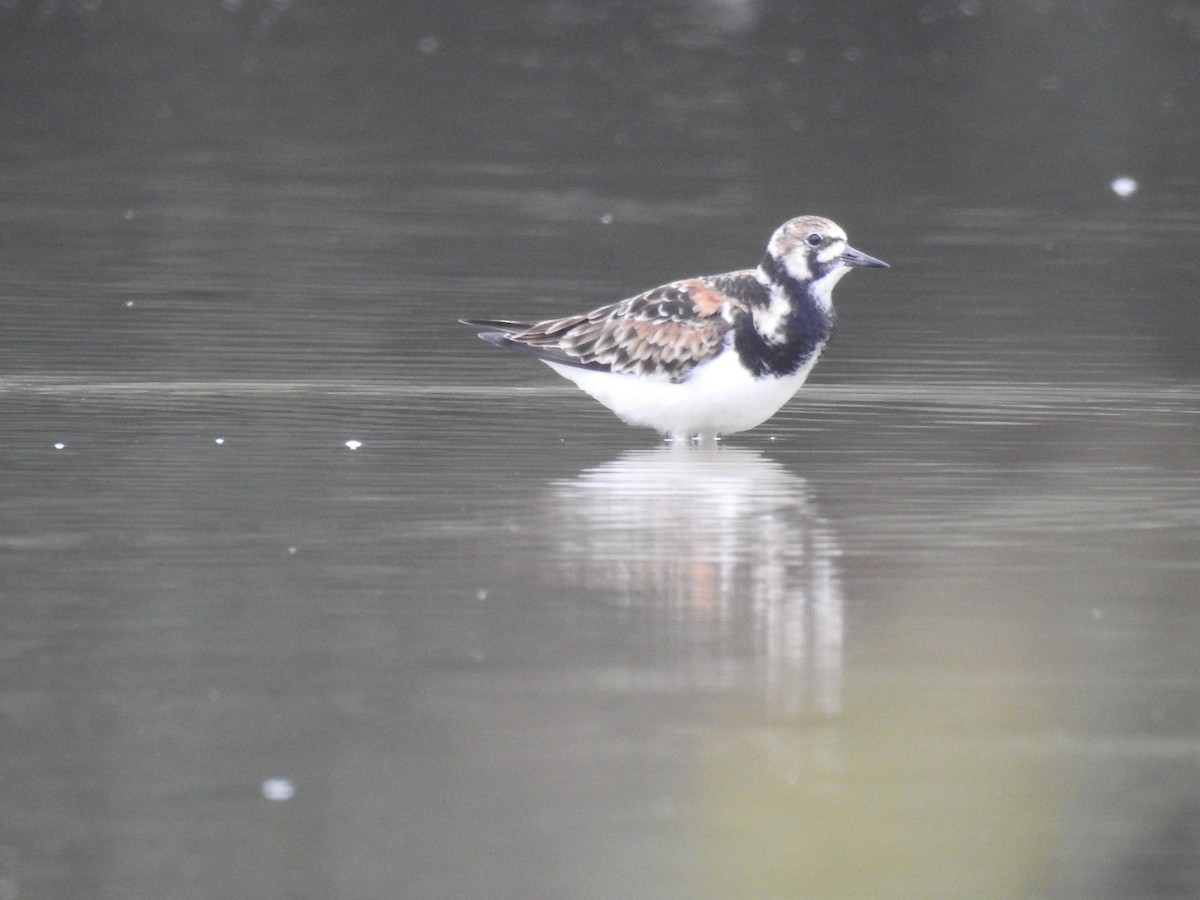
<point x="813" y="249"/>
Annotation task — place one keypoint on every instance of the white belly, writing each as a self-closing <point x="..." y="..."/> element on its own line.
<point x="719" y="397"/>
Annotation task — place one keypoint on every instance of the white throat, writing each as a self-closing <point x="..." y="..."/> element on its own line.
<point x="771" y="320"/>
<point x="822" y="288"/>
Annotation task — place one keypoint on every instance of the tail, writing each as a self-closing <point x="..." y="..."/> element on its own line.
<point x="500" y="331"/>
<point x="497" y="330"/>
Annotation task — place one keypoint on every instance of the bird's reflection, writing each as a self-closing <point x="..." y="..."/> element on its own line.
<point x="724" y="549"/>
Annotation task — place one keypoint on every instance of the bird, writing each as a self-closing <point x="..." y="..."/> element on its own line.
<point x="707" y="356"/>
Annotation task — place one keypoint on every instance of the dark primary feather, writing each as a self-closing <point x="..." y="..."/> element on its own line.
<point x="504" y="326"/>
<point x="665" y="332"/>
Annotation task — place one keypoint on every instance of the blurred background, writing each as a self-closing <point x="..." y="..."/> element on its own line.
<point x="309" y="593"/>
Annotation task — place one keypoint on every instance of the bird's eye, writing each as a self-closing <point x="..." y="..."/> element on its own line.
<point x="813" y="240"/>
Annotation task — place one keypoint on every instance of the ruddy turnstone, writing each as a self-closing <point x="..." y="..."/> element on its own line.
<point x="710" y="355"/>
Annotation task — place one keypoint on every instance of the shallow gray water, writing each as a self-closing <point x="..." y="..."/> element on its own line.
<point x="309" y="593"/>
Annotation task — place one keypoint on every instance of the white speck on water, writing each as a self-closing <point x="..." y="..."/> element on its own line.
<point x="353" y="445"/>
<point x="606" y="219"/>
<point x="429" y="44"/>
<point x="481" y="595"/>
<point x="219" y="440"/>
<point x="1124" y="186"/>
<point x="129" y="304"/>
<point x="128" y="215"/>
<point x="292" y="551"/>
<point x="59" y="445"/>
<point x="278" y="789"/>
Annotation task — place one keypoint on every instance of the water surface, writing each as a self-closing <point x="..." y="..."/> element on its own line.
<point x="268" y="512"/>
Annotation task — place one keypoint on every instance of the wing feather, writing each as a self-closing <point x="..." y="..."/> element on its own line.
<point x="663" y="333"/>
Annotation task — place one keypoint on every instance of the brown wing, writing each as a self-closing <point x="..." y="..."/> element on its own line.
<point x="664" y="333"/>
